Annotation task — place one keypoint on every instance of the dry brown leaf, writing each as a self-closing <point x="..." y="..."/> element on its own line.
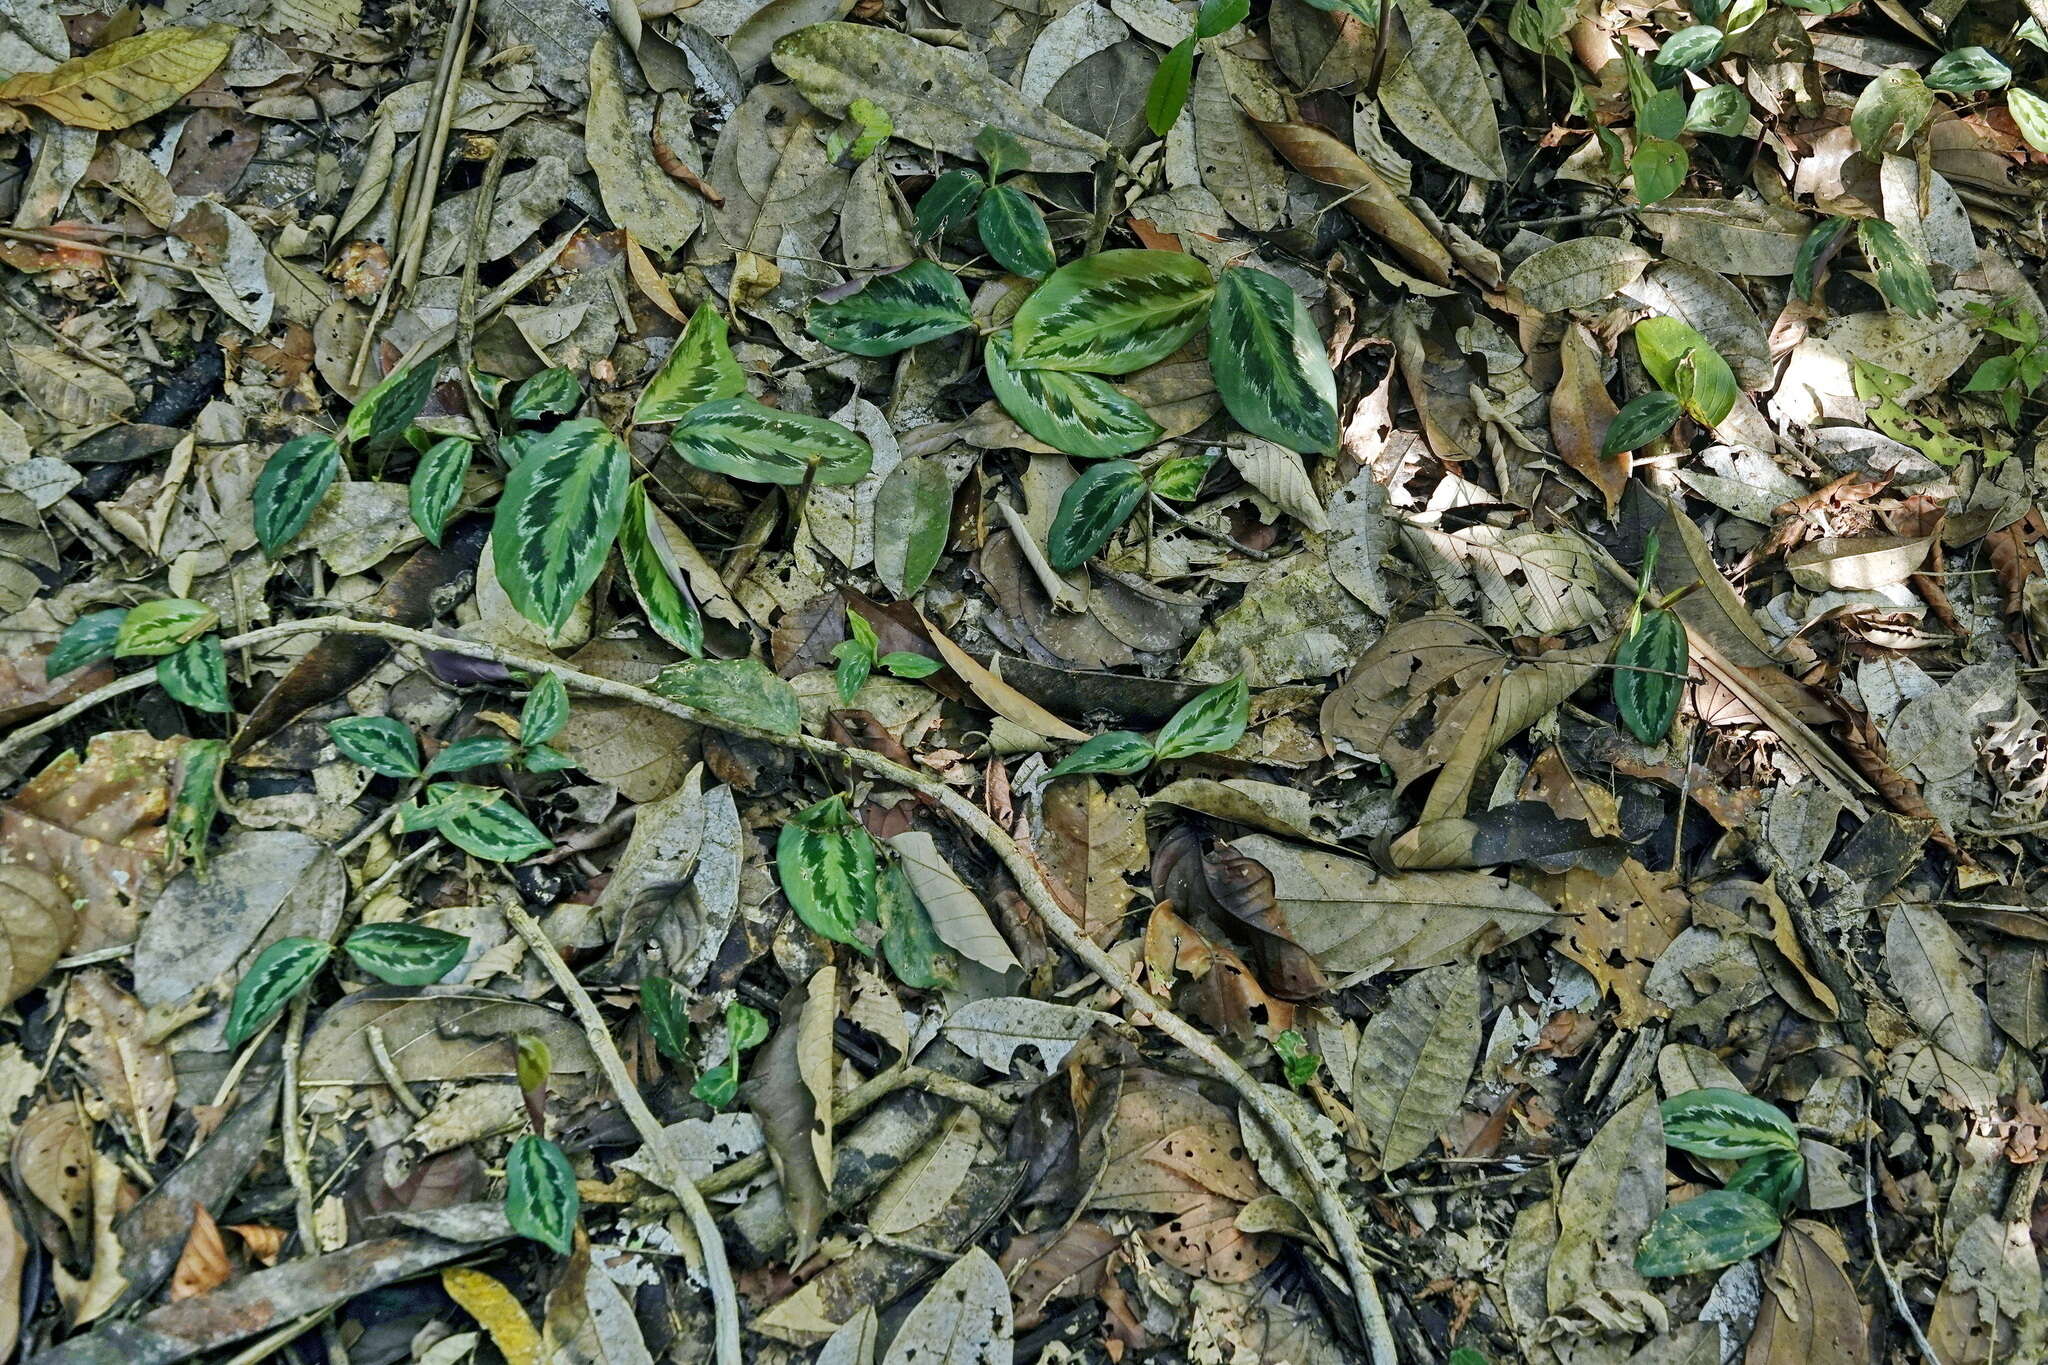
<point x="998" y="696"/>
<point x="109" y="1035"/>
<point x="52" y="1158"/>
<point x="203" y="1265"/>
<point x="1620" y="925"/>
<point x="1810" y="1313"/>
<point x="13" y="1258"/>
<point x="1580" y="413"/>
<point x="265" y="1242"/>
<point x="1368" y="198"/>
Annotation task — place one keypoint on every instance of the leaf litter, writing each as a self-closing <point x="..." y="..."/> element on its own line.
<point x="1302" y="681"/>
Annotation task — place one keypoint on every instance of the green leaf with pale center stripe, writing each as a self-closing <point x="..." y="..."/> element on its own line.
<point x="278" y="973"/>
<point x="551" y="393"/>
<point x="474" y="752"/>
<point x="1014" y="232"/>
<point x="1649" y="674"/>
<point x="657" y="580"/>
<point x="1269" y="362"/>
<point x="163" y="627"/>
<point x="1722" y="1123"/>
<point x="546" y="710"/>
<point x="894" y="312"/>
<point x="293" y="481"/>
<point x="379" y="743"/>
<point x="948" y="204"/>
<point x="826" y="863"/>
<point x="1078" y="414"/>
<point x="668" y="1016"/>
<point x="406" y="954"/>
<point x="1774" y="1177"/>
<point x="1090" y="512"/>
<point x="1715" y="1229"/>
<point x="197" y="675"/>
<point x="437" y="485"/>
<point x="1112" y="313"/>
<point x="1902" y="273"/>
<point x="1210" y="723"/>
<point x="541" y="1201"/>
<point x="698" y="370"/>
<point x="494" y="831"/>
<point x="557" y="518"/>
<point x="743" y="439"/>
<point x="1118" y="751"/>
<point x="387" y="409"/>
<point x="197" y="801"/>
<point x="87" y="640"/>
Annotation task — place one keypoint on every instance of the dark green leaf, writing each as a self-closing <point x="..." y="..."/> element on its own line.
<point x="1722" y="1123"/>
<point x="1078" y="414"/>
<point x="743" y="439"/>
<point x="742" y="690"/>
<point x="1660" y="167"/>
<point x="1269" y="362"/>
<point x="474" y="752"/>
<point x="1715" y="1229"/>
<point x="1902" y="273"/>
<point x="197" y="675"/>
<point x="717" y="1086"/>
<point x="541" y="1201"/>
<point x="1296" y="1060"/>
<point x="545" y="712"/>
<point x="1014" y="232"/>
<point x="389" y="407"/>
<point x="485" y="824"/>
<point x="1168" y="94"/>
<point x="557" y="519"/>
<point x="1001" y="152"/>
<point x="826" y="864"/>
<point x="856" y="657"/>
<point x="949" y="204"/>
<point x="1773" y="1177"/>
<point x="1641" y="420"/>
<point x="1094" y="507"/>
<point x="913" y="516"/>
<point x="551" y="393"/>
<point x="894" y="312"/>
<point x="379" y="743"/>
<point x="197" y="799"/>
<point x="163" y="627"/>
<point x="293" y="481"/>
<point x="1112" y="313"/>
<point x="700" y="369"/>
<point x="1649" y="675"/>
<point x="1118" y="751"/>
<point x="913" y="949"/>
<point x="668" y="1016"/>
<point x="542" y="758"/>
<point x="1218" y="17"/>
<point x="87" y="640"/>
<point x="279" y="972"/>
<point x="1210" y="723"/>
<point x="1818" y="246"/>
<point x="406" y="954"/>
<point x="657" y="580"/>
<point x="745" y="1027"/>
<point x="1968" y="70"/>
<point x="437" y="485"/>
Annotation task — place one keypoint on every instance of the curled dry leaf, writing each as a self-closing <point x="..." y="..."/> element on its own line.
<point x="203" y="1265"/>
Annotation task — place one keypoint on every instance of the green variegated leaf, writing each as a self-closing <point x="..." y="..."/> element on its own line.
<point x="1715" y="1229"/>
<point x="1367" y="12"/>
<point x="1118" y="751"/>
<point x="2030" y="113"/>
<point x="1180" y="479"/>
<point x="747" y="1026"/>
<point x="856" y="656"/>
<point x="1902" y="274"/>
<point x="1891" y="110"/>
<point x="557" y="518"/>
<point x="379" y="743"/>
<point x="1014" y="232"/>
<point x="668" y="1016"/>
<point x="910" y="945"/>
<point x="406" y="954"/>
<point x="388" y="408"/>
<point x="1649" y="675"/>
<point x="826" y="864"/>
<point x="197" y="675"/>
<point x="1299" y="1063"/>
<point x="87" y="640"/>
<point x="441" y="801"/>
<point x="1094" y="507"/>
<point x="1968" y="70"/>
<point x="1722" y="109"/>
<point x="1773" y="1177"/>
<point x="484" y="823"/>
<point x="551" y="393"/>
<point x="541" y="1201"/>
<point x="1818" y="246"/>
<point x="1078" y="414"/>
<point x="1689" y="49"/>
<point x="545" y="712"/>
<point x="489" y="387"/>
<point x="543" y="758"/>
<point x="1112" y="313"/>
<point x="717" y="1086"/>
<point x="1641" y="420"/>
<point x="894" y="312"/>
<point x="1168" y="94"/>
<point x="163" y="627"/>
<point x="293" y="481"/>
<point x="1210" y="723"/>
<point x="474" y="752"/>
<point x="278" y="973"/>
<point x="948" y="204"/>
<point x="1721" y="1123"/>
<point x="657" y="580"/>
<point x="534" y="1060"/>
<point x="437" y="485"/>
<point x="1684" y="364"/>
<point x="742" y="690"/>
<point x="198" y="799"/>
<point x="1269" y="362"/>
<point x="747" y="440"/>
<point x="700" y="369"/>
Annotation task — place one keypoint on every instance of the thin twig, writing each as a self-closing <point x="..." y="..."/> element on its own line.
<point x="1898" y="1291"/>
<point x="1221" y="537"/>
<point x="665" y="1162"/>
<point x="295" y="1159"/>
<point x="51" y="239"/>
<point x="465" y="302"/>
<point x="380" y="1053"/>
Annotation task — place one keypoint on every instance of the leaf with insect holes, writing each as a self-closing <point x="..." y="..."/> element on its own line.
<point x="1210" y="723"/>
<point x="1094" y="507"/>
<point x="474" y="752"/>
<point x="1721" y="1123"/>
<point x="406" y="954"/>
<point x="1168" y="94"/>
<point x="1714" y="1229"/>
<point x="699" y="369"/>
<point x="743" y="439"/>
<point x="1014" y="231"/>
<point x="293" y="481"/>
<point x="545" y="712"/>
<point x="87" y="640"/>
<point x="893" y="312"/>
<point x="948" y="204"/>
<point x="825" y="861"/>
<point x="126" y="81"/>
<point x="1112" y="313"/>
<point x="557" y="518"/>
<point x="390" y="405"/>
<point x="1076" y="414"/>
<point x="1269" y="362"/>
<point x="437" y="485"/>
<point x="1649" y="675"/>
<point x="1118" y="751"/>
<point x="1673" y="352"/>
<point x="162" y="627"/>
<point x="1641" y="420"/>
<point x="541" y="1201"/>
<point x="742" y="690"/>
<point x="197" y="675"/>
<point x="551" y="393"/>
<point x="1902" y="273"/>
<point x="278" y="973"/>
<point x="668" y="1016"/>
<point x="381" y="744"/>
<point x="656" y="578"/>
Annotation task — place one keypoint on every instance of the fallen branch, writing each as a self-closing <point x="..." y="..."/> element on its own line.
<point x="1146" y="1008"/>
